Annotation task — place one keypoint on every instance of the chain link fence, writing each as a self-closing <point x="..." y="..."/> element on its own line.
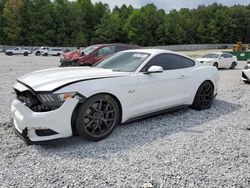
<point x="192" y="47"/>
<point x="185" y="47"/>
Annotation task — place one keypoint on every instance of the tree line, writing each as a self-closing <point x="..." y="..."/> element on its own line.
<point x="81" y="23"/>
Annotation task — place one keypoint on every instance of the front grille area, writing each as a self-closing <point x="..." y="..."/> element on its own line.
<point x="32" y="102"/>
<point x="27" y="98"/>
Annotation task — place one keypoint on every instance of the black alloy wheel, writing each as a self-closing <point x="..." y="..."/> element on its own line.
<point x="97" y="117"/>
<point x="204" y="96"/>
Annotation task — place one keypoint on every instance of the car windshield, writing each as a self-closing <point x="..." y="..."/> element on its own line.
<point x="124" y="61"/>
<point x="88" y="50"/>
<point x="211" y="56"/>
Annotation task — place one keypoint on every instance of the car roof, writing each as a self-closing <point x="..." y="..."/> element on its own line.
<point x="154" y="51"/>
<point x="112" y="44"/>
<point x="218" y="53"/>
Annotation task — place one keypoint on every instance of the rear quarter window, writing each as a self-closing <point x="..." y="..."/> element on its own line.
<point x="121" y="48"/>
<point x="186" y="62"/>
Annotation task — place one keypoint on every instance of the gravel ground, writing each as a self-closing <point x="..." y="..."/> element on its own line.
<point x="186" y="148"/>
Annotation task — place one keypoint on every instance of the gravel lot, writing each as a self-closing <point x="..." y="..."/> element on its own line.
<point x="186" y="148"/>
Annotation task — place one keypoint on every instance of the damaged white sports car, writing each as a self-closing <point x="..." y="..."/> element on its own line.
<point x="91" y="101"/>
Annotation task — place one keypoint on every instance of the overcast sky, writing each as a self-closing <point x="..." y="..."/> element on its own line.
<point x="171" y="4"/>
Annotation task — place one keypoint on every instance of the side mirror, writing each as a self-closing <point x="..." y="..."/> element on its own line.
<point x="221" y="57"/>
<point x="154" y="69"/>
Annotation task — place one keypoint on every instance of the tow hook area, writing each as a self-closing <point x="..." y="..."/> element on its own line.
<point x="24" y="136"/>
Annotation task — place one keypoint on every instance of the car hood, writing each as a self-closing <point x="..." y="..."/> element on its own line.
<point x="52" y="79"/>
<point x="72" y="55"/>
<point x="205" y="59"/>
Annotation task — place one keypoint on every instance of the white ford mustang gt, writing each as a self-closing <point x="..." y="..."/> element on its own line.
<point x="246" y="73"/>
<point x="91" y="101"/>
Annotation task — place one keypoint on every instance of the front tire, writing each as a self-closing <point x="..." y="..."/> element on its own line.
<point x="45" y="54"/>
<point x="204" y="96"/>
<point x="233" y="65"/>
<point x="216" y="65"/>
<point x="25" y="54"/>
<point x="97" y="117"/>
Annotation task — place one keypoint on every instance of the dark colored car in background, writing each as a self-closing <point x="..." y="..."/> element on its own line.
<point x="92" y="54"/>
<point x="223" y="46"/>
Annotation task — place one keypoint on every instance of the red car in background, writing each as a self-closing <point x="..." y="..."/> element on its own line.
<point x="92" y="54"/>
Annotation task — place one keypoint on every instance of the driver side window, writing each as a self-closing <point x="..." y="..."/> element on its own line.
<point x="222" y="56"/>
<point x="105" y="51"/>
<point x="169" y="62"/>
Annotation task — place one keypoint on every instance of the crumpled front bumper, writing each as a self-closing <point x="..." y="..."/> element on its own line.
<point x="27" y="122"/>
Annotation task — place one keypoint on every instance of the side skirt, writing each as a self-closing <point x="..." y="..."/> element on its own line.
<point x="156" y="113"/>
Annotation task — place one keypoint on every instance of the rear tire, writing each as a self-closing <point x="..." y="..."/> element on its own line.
<point x="233" y="65"/>
<point x="37" y="53"/>
<point x="97" y="117"/>
<point x="25" y="54"/>
<point x="66" y="64"/>
<point x="9" y="53"/>
<point x="204" y="96"/>
<point x="45" y="54"/>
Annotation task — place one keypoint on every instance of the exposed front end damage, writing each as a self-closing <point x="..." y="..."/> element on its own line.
<point x="35" y="122"/>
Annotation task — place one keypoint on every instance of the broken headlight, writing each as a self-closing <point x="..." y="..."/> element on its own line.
<point x="54" y="99"/>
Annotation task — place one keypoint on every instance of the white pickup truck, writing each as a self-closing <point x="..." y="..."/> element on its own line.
<point x="18" y="51"/>
<point x="45" y="51"/>
<point x="37" y="51"/>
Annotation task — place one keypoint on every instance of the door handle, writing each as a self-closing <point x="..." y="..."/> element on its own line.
<point x="182" y="76"/>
